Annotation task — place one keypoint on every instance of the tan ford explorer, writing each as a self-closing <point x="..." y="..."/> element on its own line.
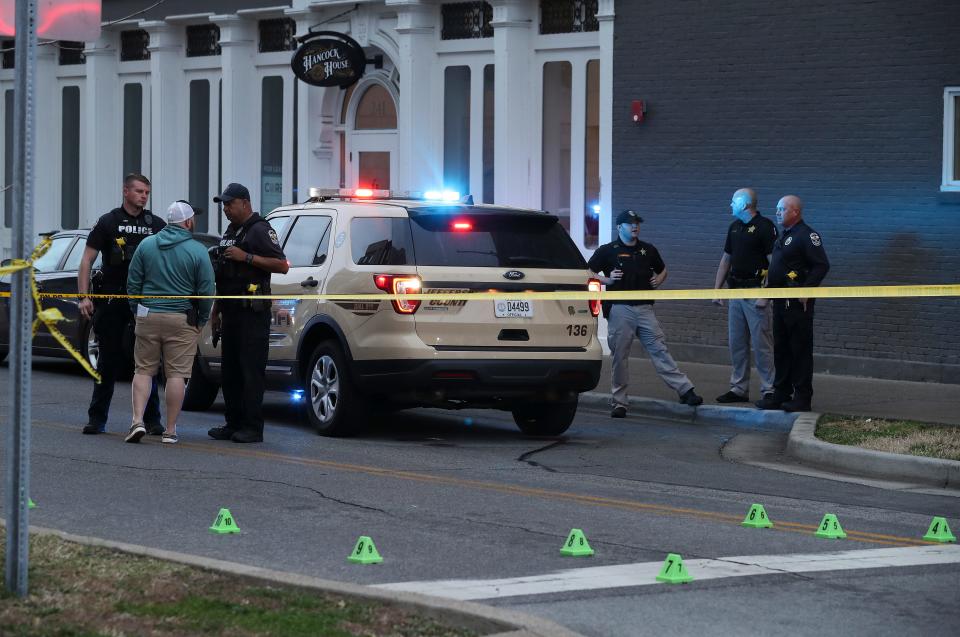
<point x="346" y="359"/>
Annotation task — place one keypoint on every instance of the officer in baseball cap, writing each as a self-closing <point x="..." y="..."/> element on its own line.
<point x="624" y="264"/>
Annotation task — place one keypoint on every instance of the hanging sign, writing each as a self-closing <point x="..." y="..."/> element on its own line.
<point x="328" y="58"/>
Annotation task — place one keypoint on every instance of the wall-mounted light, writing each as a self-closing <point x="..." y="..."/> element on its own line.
<point x="639" y="110"/>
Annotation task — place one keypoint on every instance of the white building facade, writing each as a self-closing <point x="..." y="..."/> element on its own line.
<point x="507" y="100"/>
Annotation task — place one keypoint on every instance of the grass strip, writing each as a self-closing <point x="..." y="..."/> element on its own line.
<point x="83" y="591"/>
<point x="894" y="436"/>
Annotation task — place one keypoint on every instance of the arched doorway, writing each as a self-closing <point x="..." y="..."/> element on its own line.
<point x="370" y="118"/>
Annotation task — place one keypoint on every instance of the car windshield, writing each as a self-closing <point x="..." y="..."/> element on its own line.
<point x="51" y="258"/>
<point x="485" y="239"/>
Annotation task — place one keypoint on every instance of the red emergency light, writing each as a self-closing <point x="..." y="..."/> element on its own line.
<point x="71" y="20"/>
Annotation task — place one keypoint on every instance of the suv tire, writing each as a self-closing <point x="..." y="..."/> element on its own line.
<point x="201" y="392"/>
<point x="545" y="419"/>
<point x="332" y="402"/>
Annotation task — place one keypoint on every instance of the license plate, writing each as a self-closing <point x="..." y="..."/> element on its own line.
<point x="513" y="309"/>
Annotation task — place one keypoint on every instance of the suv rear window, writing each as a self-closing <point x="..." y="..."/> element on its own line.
<point x="485" y="239"/>
<point x="380" y="241"/>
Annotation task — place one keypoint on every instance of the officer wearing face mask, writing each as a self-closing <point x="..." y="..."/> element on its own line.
<point x="744" y="263"/>
<point x="798" y="260"/>
<point x="630" y="264"/>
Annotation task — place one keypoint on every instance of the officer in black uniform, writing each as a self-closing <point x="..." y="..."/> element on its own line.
<point x="798" y="260"/>
<point x="248" y="253"/>
<point x="116" y="236"/>
<point x="630" y="264"/>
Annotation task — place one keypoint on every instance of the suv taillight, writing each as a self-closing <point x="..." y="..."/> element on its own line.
<point x="593" y="285"/>
<point x="399" y="284"/>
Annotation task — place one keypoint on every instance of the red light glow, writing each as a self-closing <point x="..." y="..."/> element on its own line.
<point x="74" y="20"/>
<point x="462" y="226"/>
<point x="363" y="192"/>
<point x="593" y="285"/>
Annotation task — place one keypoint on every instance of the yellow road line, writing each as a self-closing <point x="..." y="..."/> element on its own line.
<point x="510" y="489"/>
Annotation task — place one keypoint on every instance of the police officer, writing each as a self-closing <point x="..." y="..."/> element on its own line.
<point x="247" y="254"/>
<point x="116" y="236"/>
<point x="744" y="263"/>
<point x="630" y="264"/>
<point x="798" y="260"/>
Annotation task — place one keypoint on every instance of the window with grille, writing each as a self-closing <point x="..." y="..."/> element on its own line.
<point x="134" y="45"/>
<point x="463" y="20"/>
<point x="203" y="39"/>
<point x="8" y="53"/>
<point x="71" y="53"/>
<point x="568" y="16"/>
<point x="277" y="35"/>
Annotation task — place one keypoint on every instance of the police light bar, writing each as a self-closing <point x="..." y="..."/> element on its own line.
<point x="365" y="193"/>
<point x="442" y="195"/>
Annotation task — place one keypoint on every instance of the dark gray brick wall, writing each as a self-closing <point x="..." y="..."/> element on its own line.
<point x="839" y="102"/>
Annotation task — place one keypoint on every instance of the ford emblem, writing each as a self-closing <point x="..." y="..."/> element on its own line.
<point x="513" y="275"/>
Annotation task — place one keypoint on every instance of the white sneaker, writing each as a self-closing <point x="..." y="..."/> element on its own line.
<point x="137" y="431"/>
<point x="169" y="439"/>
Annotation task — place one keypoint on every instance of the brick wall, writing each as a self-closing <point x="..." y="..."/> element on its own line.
<point x="839" y="102"/>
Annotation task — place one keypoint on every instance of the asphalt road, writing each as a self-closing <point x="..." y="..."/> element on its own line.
<point x="464" y="496"/>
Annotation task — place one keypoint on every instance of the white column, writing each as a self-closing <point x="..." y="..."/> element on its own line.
<point x="241" y="93"/>
<point x="102" y="157"/>
<point x="47" y="101"/>
<point x="316" y="165"/>
<point x="514" y="155"/>
<point x="420" y="161"/>
<point x="605" y="16"/>
<point x="578" y="126"/>
<point x="168" y="122"/>
<point x="476" y="132"/>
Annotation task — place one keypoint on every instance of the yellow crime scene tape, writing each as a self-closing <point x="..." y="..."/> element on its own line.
<point x="853" y="291"/>
<point x="52" y="316"/>
<point x="49" y="317"/>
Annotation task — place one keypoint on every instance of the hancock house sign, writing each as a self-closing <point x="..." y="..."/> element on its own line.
<point x="328" y="58"/>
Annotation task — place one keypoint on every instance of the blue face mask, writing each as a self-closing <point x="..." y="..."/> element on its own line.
<point x="743" y="215"/>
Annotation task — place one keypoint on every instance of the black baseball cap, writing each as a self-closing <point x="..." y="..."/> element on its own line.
<point x="231" y="192"/>
<point x="628" y="216"/>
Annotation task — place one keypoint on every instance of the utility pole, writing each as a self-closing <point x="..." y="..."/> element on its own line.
<point x="21" y="315"/>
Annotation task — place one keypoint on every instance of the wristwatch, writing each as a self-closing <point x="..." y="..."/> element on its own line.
<point x="249" y="259"/>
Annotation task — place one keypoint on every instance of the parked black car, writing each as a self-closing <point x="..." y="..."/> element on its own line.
<point x="56" y="272"/>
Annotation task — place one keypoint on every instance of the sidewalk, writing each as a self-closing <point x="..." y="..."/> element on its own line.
<point x="928" y="402"/>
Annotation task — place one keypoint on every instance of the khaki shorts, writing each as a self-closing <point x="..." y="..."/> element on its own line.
<point x="166" y="334"/>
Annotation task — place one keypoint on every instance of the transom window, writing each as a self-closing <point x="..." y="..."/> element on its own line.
<point x="376" y="110"/>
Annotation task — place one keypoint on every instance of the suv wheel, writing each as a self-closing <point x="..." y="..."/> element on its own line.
<point x="201" y="391"/>
<point x="545" y="419"/>
<point x="332" y="403"/>
<point x="89" y="345"/>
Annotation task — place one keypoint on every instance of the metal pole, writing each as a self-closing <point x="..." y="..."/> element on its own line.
<point x="21" y="316"/>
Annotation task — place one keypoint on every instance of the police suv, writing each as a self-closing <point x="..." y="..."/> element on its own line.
<point x="344" y="357"/>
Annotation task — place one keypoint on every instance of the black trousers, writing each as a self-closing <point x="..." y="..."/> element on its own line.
<point x="246" y="340"/>
<point x="113" y="323"/>
<point x="793" y="349"/>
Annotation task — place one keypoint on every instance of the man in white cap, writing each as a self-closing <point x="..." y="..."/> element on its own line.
<point x="171" y="263"/>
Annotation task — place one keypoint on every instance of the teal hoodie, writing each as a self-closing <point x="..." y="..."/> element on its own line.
<point x="171" y="262"/>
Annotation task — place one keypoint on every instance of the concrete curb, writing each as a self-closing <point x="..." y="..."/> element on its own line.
<point x="742" y="417"/>
<point x="804" y="445"/>
<point x="485" y="620"/>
